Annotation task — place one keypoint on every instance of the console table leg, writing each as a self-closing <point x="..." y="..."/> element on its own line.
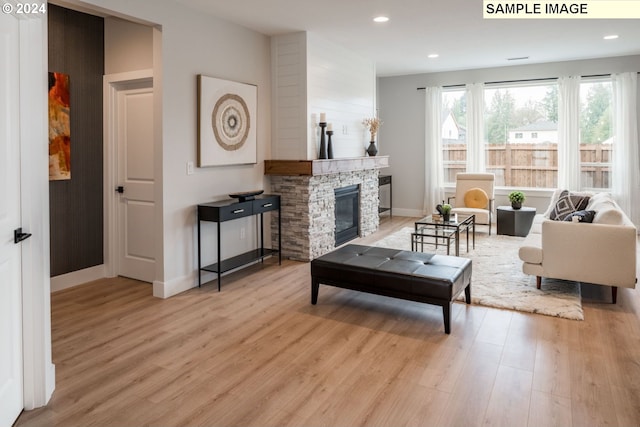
<point x="199" y="255"/>
<point x="279" y="235"/>
<point x="390" y="198"/>
<point x="261" y="238"/>
<point x="219" y="262"/>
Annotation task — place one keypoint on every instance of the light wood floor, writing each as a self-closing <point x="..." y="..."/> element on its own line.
<point x="259" y="354"/>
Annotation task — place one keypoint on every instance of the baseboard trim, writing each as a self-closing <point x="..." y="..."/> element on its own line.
<point x="50" y="385"/>
<point x="76" y="278"/>
<point x="174" y="287"/>
<point x="413" y="213"/>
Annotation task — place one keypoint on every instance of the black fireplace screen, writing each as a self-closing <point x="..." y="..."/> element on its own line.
<point x="347" y="213"/>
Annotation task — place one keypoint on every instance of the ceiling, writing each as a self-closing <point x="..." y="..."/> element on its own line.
<point x="454" y="29"/>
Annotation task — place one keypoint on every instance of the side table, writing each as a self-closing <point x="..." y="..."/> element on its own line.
<point x="515" y="222"/>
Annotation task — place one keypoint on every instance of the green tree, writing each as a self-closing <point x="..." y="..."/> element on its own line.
<point x="459" y="110"/>
<point x="602" y="130"/>
<point x="550" y="103"/>
<point x="500" y="117"/>
<point x="595" y="115"/>
<point x="531" y="112"/>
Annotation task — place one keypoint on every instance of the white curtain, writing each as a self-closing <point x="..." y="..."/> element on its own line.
<point x="569" y="133"/>
<point x="625" y="181"/>
<point x="475" y="128"/>
<point x="433" y="178"/>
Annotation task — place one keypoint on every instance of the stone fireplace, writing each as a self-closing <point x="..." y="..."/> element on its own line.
<point x="308" y="202"/>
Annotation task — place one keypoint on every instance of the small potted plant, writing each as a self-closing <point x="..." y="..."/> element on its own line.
<point x="516" y="198"/>
<point x="446" y="212"/>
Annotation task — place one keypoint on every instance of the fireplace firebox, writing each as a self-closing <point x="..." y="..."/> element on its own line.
<point x="347" y="213"/>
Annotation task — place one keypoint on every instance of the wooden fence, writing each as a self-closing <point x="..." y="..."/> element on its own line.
<point x="531" y="165"/>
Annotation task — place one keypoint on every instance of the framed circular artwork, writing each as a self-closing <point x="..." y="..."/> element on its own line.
<point x="226" y="122"/>
<point x="231" y="122"/>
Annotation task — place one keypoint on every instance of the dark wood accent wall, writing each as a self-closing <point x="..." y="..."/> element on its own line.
<point x="76" y="48"/>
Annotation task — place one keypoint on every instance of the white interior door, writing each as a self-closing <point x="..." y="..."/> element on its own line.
<point x="11" y="398"/>
<point x="136" y="207"/>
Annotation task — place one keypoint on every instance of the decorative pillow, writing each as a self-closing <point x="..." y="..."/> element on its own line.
<point x="476" y="198"/>
<point x="556" y="195"/>
<point x="568" y="203"/>
<point x="583" y="216"/>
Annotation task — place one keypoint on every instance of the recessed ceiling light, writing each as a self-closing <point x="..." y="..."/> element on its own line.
<point x="380" y="19"/>
<point x="611" y="37"/>
<point x="433" y="55"/>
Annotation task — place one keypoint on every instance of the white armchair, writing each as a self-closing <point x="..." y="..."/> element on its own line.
<point x="470" y="200"/>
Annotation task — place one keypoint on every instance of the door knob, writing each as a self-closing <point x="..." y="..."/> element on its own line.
<point x="120" y="189"/>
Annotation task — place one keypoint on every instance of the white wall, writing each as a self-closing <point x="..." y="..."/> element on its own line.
<point x="401" y="108"/>
<point x="38" y="369"/>
<point x="341" y="84"/>
<point x="128" y="46"/>
<point x="188" y="43"/>
<point x="289" y="84"/>
<point x="311" y="76"/>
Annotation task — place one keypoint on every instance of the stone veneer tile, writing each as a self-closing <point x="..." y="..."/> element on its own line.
<point x="308" y="211"/>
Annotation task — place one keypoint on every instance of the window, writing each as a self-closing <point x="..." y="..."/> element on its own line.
<point x="454" y="134"/>
<point x="596" y="138"/>
<point x="521" y="134"/>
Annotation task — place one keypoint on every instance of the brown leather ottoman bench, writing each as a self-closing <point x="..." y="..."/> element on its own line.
<point x="413" y="276"/>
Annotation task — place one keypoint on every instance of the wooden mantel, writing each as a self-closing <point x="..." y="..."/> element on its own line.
<point x="323" y="167"/>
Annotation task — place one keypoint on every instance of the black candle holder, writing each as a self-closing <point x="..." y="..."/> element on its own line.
<point x="329" y="145"/>
<point x="323" y="144"/>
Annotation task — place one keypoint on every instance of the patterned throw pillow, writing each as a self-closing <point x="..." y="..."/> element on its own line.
<point x="567" y="204"/>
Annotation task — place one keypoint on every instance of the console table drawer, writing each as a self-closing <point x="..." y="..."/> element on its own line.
<point x="217" y="213"/>
<point x="237" y="210"/>
<point x="266" y="204"/>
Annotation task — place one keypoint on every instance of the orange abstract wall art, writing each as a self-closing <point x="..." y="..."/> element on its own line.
<point x="59" y="128"/>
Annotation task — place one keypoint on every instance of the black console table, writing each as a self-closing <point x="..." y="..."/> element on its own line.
<point x="227" y="210"/>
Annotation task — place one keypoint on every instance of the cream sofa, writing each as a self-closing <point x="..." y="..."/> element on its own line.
<point x="602" y="252"/>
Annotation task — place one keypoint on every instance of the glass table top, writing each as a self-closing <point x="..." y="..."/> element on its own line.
<point x="454" y="221"/>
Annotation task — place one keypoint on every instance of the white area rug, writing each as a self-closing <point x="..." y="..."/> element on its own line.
<point x="497" y="279"/>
